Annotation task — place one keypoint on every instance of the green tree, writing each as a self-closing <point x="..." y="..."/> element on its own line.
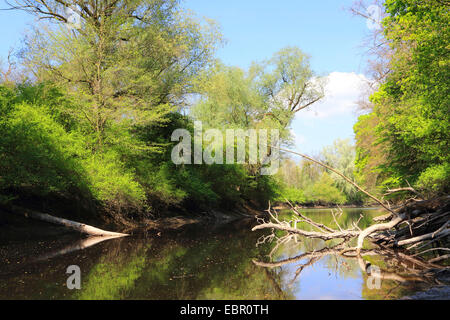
<point x="119" y="78"/>
<point x="409" y="120"/>
<point x="341" y="156"/>
<point x="268" y="95"/>
<point x="126" y="60"/>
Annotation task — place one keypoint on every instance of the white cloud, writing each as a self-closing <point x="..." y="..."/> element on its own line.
<point x="342" y="91"/>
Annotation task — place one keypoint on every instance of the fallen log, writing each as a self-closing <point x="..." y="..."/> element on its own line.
<point x="427" y="236"/>
<point x="419" y="216"/>
<point x="409" y="226"/>
<point x="376" y="228"/>
<point x="81" y="227"/>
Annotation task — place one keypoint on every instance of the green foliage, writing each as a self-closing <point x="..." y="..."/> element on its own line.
<point x="133" y="59"/>
<point x="46" y="151"/>
<point x="36" y="152"/>
<point x="39" y="154"/>
<point x="409" y="124"/>
<point x="266" y="96"/>
<point x="324" y="192"/>
<point x="309" y="183"/>
<point x="293" y="195"/>
<point x="341" y="156"/>
<point x="111" y="182"/>
<point x="435" y="179"/>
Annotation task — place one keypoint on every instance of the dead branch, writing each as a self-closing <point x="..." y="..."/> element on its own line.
<point x="418" y="224"/>
<point x="375" y="228"/>
<point x="409" y="189"/>
<point x="308" y="220"/>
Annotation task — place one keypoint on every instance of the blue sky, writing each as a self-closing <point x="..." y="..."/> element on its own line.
<point x="255" y="29"/>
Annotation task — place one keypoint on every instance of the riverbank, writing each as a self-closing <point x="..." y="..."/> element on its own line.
<point x="18" y="226"/>
<point x="437" y="293"/>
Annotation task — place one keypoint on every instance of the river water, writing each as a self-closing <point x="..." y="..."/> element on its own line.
<point x="225" y="261"/>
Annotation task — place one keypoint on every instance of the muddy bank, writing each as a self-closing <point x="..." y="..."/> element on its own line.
<point x="440" y="292"/>
<point x="437" y="293"/>
<point x="15" y="227"/>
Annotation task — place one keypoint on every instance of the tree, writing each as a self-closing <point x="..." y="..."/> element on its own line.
<point x="124" y="72"/>
<point x="126" y="60"/>
<point x="288" y="83"/>
<point x="268" y="95"/>
<point x="409" y="120"/>
<point x="341" y="156"/>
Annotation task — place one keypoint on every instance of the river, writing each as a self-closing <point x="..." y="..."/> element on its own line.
<point x="225" y="261"/>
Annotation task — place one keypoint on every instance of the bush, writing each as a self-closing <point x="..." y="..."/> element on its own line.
<point x="295" y="196"/>
<point x="435" y="179"/>
<point x="324" y="192"/>
<point x="112" y="183"/>
<point x="39" y="154"/>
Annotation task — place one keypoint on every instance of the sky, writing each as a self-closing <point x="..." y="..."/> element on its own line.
<point x="255" y="29"/>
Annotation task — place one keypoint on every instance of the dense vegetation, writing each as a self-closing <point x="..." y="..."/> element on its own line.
<point x="404" y="140"/>
<point x="308" y="183"/>
<point x="89" y="114"/>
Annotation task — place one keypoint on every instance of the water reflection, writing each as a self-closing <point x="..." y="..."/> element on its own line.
<point x="202" y="263"/>
<point x="379" y="273"/>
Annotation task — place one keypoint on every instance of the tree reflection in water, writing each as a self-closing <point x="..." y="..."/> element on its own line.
<point x="212" y="262"/>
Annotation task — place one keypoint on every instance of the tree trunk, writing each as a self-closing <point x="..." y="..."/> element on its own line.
<point x="83" y="228"/>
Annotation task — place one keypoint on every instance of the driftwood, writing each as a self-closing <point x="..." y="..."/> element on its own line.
<point x="408" y="268"/>
<point x="418" y="271"/>
<point x="80" y="227"/>
<point x="419" y="223"/>
<point x="417" y="226"/>
<point x="407" y="189"/>
<point x="309" y="234"/>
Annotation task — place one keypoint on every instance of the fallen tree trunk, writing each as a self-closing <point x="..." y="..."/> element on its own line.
<point x="419" y="225"/>
<point x="81" y="227"/>
<point x="376" y="228"/>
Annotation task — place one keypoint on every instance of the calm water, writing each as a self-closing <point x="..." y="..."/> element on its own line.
<point x="200" y="262"/>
